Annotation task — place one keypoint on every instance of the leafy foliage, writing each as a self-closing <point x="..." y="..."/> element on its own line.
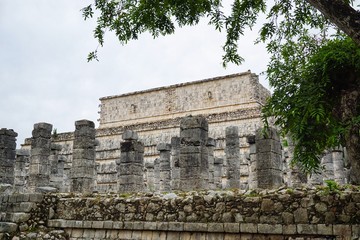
<point x="130" y="18"/>
<point x="307" y="93"/>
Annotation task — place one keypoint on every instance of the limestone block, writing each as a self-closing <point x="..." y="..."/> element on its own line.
<point x="7" y="227"/>
<point x="194" y="122"/>
<point x="84" y="123"/>
<point x="195" y="137"/>
<point x="163" y="147"/>
<point x="42" y="130"/>
<point x="195" y="227"/>
<point x="232" y="227"/>
<point x="210" y="142"/>
<point x="132" y="146"/>
<point x="270" y="133"/>
<point x="130" y="135"/>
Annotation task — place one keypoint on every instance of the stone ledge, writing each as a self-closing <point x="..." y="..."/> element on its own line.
<point x="20" y="198"/>
<point x="246" y="228"/>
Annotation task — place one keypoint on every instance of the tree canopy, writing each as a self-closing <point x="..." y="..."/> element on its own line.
<point x="314" y="67"/>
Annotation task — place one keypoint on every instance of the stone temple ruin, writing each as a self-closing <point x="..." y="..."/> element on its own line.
<point x="197" y="135"/>
<point x="133" y="177"/>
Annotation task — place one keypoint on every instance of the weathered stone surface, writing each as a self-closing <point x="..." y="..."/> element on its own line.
<point x="268" y="159"/>
<point x="83" y="164"/>
<point x="194" y="165"/>
<point x="39" y="169"/>
<point x="130" y="166"/>
<point x="232" y="153"/>
<point x="7" y="156"/>
<point x="130" y="135"/>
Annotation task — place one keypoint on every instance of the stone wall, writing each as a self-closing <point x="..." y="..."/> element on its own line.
<point x="298" y="213"/>
<point x="221" y="94"/>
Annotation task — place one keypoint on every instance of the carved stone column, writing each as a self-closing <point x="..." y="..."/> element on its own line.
<point x="194" y="166"/>
<point x="39" y="169"/>
<point x="165" y="170"/>
<point x="268" y="154"/>
<point x="83" y="169"/>
<point x="175" y="167"/>
<point x="7" y="155"/>
<point x="130" y="169"/>
<point x="232" y="153"/>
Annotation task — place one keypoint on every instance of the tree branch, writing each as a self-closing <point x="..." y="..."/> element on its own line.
<point x="341" y="14"/>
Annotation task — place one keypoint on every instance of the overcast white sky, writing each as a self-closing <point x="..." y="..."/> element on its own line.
<point x="44" y="75"/>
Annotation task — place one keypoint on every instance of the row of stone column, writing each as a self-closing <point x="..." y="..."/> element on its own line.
<point x="187" y="163"/>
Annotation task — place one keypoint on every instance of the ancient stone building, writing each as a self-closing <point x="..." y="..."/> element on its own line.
<point x="155" y="114"/>
<point x="145" y="136"/>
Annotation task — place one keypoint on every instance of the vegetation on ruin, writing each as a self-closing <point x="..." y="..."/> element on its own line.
<point x="316" y="98"/>
<point x="314" y="66"/>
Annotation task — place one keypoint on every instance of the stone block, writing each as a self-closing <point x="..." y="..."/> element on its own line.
<point x="270" y="228"/>
<point x="355" y="231"/>
<point x="324" y="229"/>
<point x="269" y="178"/>
<point x="210" y="142"/>
<point x="265" y="146"/>
<point x="87" y="224"/>
<point x="289" y="229"/>
<point x="138" y="225"/>
<point x="306" y="228"/>
<point x="126" y="147"/>
<point x="301" y="215"/>
<point x="128" y="225"/>
<point x="100" y="234"/>
<point x="7" y="227"/>
<point x="84" y="123"/>
<point x="118" y="225"/>
<point x="131" y="169"/>
<point x="150" y="225"/>
<point x="342" y="230"/>
<point x="175" y="142"/>
<point x="248" y="228"/>
<point x="232" y="227"/>
<point x="193" y="137"/>
<point x="36" y="197"/>
<point x="112" y="234"/>
<point x="216" y="227"/>
<point x="136" y="234"/>
<point x="232" y="132"/>
<point x="269" y="160"/>
<point x="57" y="223"/>
<point x="195" y="227"/>
<point x="80" y="154"/>
<point x="97" y="224"/>
<point x="191" y="122"/>
<point x="89" y="233"/>
<point x="270" y="133"/>
<point x="171" y="235"/>
<point x="176" y="226"/>
<point x="130" y="135"/>
<point x="108" y="224"/>
<point x="77" y="233"/>
<point x="218" y="161"/>
<point x="42" y="130"/>
<point x="20" y="217"/>
<point x="163" y="147"/>
<point x="162" y="226"/>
